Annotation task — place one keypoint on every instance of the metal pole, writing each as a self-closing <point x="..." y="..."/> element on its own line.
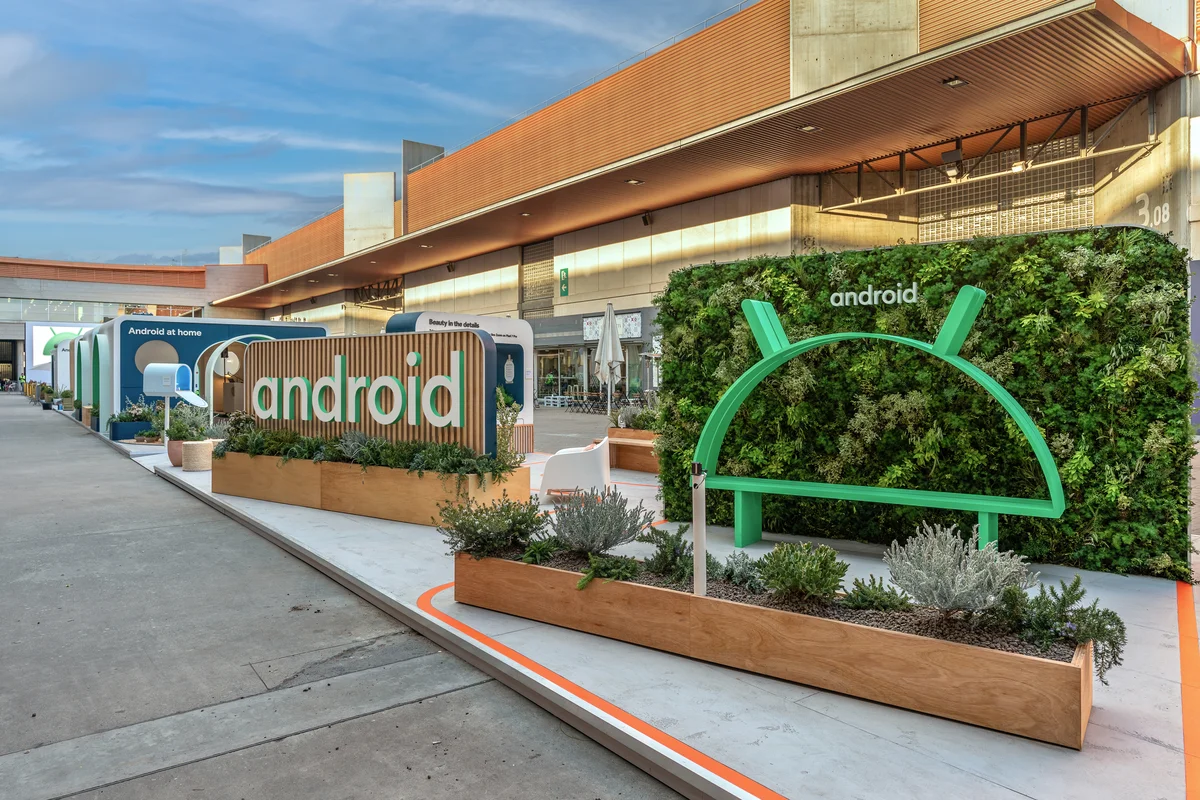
<point x="699" y="537"/>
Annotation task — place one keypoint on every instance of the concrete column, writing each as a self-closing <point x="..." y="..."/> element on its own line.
<point x="833" y="40"/>
<point x="369" y="209"/>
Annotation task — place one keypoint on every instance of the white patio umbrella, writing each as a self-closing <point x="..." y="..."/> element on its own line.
<point x="609" y="356"/>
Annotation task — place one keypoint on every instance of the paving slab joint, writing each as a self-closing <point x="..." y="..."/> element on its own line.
<point x="689" y="781"/>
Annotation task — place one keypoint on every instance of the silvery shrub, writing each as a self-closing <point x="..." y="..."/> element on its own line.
<point x="596" y="522"/>
<point x="939" y="569"/>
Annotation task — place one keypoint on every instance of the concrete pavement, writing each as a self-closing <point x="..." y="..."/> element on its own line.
<point x="152" y="647"/>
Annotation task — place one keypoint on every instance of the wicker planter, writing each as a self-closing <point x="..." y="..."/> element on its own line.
<point x="1027" y="696"/>
<point x="629" y="448"/>
<point x="394" y="494"/>
<point x="197" y="456"/>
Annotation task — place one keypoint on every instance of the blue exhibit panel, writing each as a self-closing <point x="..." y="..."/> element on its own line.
<point x="511" y="376"/>
<point x="189" y="340"/>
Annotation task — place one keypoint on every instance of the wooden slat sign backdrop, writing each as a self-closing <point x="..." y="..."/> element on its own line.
<point x="436" y="387"/>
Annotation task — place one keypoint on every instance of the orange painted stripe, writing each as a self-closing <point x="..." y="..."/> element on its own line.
<point x="425" y="603"/>
<point x="627" y="483"/>
<point x="1189" y="673"/>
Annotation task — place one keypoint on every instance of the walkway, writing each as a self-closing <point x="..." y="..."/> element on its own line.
<point x="150" y="647"/>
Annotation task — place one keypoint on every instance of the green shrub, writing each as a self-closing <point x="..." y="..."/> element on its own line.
<point x="674" y="556"/>
<point x="1088" y="330"/>
<point x="942" y="571"/>
<point x="803" y="571"/>
<point x="1054" y="615"/>
<point x="596" y="522"/>
<point x="540" y="550"/>
<point x="507" y="409"/>
<point x="66" y="394"/>
<point x="742" y="570"/>
<point x="611" y="568"/>
<point x="77" y="404"/>
<point x="874" y="595"/>
<point x="239" y="422"/>
<point x="490" y="530"/>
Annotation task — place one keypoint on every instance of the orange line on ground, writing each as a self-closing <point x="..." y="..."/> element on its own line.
<point x="1189" y="673"/>
<point x="627" y="483"/>
<point x="425" y="603"/>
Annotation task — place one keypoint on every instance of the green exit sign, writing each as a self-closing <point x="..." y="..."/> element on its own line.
<point x="563" y="284"/>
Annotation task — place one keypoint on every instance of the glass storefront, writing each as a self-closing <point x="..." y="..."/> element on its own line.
<point x="570" y="371"/>
<point x="15" y="309"/>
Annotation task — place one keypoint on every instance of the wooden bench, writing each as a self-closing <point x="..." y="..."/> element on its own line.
<point x="632" y="449"/>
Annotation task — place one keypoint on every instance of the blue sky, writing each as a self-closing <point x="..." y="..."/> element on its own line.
<point x="133" y="130"/>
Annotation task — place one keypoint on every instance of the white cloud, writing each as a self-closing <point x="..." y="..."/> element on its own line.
<point x="328" y="176"/>
<point x="573" y="17"/>
<point x="157" y="196"/>
<point x="16" y="51"/>
<point x="18" y="154"/>
<point x="298" y="141"/>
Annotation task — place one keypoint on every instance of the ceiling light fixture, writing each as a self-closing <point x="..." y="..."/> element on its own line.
<point x="1018" y="166"/>
<point x="809" y="128"/>
<point x="526" y="214"/>
<point x="634" y="181"/>
<point x="955" y="82"/>
<point x="334" y="274"/>
<point x="953" y="161"/>
<point x="426" y="247"/>
<point x="312" y="280"/>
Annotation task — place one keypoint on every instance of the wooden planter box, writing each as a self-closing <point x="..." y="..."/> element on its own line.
<point x="294" y="482"/>
<point x="633" y="449"/>
<point x="1019" y="694"/>
<point x="394" y="494"/>
<point x="86" y="416"/>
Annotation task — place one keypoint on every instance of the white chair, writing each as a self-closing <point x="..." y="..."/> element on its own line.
<point x="577" y="468"/>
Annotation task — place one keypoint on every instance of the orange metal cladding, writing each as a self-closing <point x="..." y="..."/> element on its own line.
<point x="374" y="357"/>
<point x="316" y="243"/>
<point x="178" y="277"/>
<point x="736" y="67"/>
<point x="1082" y="57"/>
<point x="940" y="22"/>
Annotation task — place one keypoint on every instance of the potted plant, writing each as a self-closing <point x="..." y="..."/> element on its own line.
<point x="94" y="417"/>
<point x="65" y="399"/>
<point x="130" y="421"/>
<point x="47" y="396"/>
<point x="955" y="634"/>
<point x="77" y="404"/>
<point x="188" y="424"/>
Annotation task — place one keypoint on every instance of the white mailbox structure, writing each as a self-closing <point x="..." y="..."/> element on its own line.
<point x="170" y="380"/>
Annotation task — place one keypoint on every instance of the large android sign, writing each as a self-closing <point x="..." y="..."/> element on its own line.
<point x="777" y="351"/>
<point x="437" y="387"/>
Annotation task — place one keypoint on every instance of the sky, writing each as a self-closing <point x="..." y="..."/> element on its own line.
<point x="154" y="131"/>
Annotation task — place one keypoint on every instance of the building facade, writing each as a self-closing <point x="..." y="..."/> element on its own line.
<point x="782" y="126"/>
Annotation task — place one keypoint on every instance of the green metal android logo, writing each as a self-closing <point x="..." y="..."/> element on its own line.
<point x="771" y="339"/>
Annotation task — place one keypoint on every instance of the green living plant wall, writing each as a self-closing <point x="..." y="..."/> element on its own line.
<point x="1087" y="330"/>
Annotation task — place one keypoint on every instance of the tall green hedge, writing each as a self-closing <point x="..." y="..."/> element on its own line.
<point x="1088" y="330"/>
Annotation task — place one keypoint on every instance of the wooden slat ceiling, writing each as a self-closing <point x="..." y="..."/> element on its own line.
<point x="1093" y="56"/>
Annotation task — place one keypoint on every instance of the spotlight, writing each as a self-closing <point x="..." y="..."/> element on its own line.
<point x="647" y="219"/>
<point x="955" y="82"/>
<point x="426" y="247"/>
<point x="450" y="267"/>
<point x="953" y="161"/>
<point x="1018" y="166"/>
<point x="809" y="128"/>
<point x="634" y="181"/>
<point x="525" y="214"/>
